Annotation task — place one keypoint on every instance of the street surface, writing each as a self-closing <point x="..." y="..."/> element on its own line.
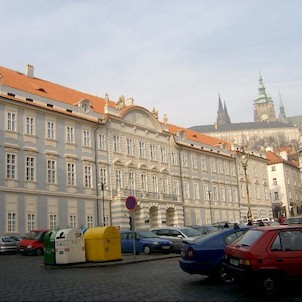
<point x="23" y="278"/>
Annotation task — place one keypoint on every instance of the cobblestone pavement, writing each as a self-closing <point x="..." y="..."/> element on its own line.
<point x="25" y="278"/>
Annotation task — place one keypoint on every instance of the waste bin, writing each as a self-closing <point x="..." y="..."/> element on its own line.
<point x="49" y="247"/>
<point x="70" y="246"/>
<point x="103" y="244"/>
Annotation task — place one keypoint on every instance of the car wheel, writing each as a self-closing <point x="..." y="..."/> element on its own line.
<point x="147" y="250"/>
<point x="39" y="251"/>
<point x="269" y="283"/>
<point x="224" y="276"/>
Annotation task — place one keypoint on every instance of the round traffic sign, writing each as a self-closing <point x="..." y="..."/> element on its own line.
<point x="131" y="203"/>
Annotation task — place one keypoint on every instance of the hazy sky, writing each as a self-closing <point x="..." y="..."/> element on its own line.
<point x="174" y="55"/>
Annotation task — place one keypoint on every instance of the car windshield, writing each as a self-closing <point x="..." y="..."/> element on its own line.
<point x="211" y="228"/>
<point x="147" y="234"/>
<point x="33" y="235"/>
<point x="248" y="238"/>
<point x="190" y="232"/>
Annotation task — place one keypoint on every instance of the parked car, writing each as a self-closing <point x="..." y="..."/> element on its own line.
<point x="176" y="235"/>
<point x="204" y="255"/>
<point x="265" y="257"/>
<point x="293" y="220"/>
<point x="33" y="243"/>
<point x="8" y="245"/>
<point x="145" y="242"/>
<point x="205" y="229"/>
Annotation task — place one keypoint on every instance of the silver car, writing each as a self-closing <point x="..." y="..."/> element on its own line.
<point x="177" y="235"/>
<point x="8" y="245"/>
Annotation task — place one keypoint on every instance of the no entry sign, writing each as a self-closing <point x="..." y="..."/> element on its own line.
<point x="131" y="203"/>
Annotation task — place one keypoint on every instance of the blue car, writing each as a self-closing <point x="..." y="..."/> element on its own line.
<point x="145" y="242"/>
<point x="204" y="255"/>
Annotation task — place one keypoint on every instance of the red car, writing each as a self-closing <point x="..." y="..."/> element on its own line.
<point x="33" y="243"/>
<point x="265" y="257"/>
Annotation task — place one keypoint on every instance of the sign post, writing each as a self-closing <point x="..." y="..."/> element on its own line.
<point x="131" y="204"/>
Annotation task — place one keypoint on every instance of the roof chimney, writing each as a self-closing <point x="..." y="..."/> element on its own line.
<point x="29" y="71"/>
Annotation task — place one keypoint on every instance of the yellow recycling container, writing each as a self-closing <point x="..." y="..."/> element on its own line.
<point x="102" y="244"/>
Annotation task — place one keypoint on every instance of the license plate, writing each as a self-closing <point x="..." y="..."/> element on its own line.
<point x="234" y="262"/>
<point x="21" y="250"/>
<point x="166" y="247"/>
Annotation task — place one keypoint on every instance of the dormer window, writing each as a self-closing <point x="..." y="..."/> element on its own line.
<point x="85" y="105"/>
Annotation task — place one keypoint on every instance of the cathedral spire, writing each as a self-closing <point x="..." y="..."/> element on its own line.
<point x="282" y="115"/>
<point x="222" y="113"/>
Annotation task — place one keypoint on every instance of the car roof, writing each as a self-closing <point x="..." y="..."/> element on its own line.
<point x="278" y="227"/>
<point x="172" y="228"/>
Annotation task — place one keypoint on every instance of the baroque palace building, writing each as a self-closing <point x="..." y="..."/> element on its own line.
<point x="71" y="159"/>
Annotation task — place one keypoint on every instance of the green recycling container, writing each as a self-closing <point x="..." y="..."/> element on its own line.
<point x="50" y="249"/>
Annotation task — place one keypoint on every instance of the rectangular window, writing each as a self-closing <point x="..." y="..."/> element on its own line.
<point x="163" y="155"/>
<point x="102" y="141"/>
<point x="29" y="125"/>
<point x="204" y="164"/>
<point x="51" y="171"/>
<point x="194" y="162"/>
<point x="206" y="192"/>
<point x="213" y="165"/>
<point x="228" y="194"/>
<point x="142" y="150"/>
<point x="186" y="190"/>
<point x="176" y="187"/>
<point x="11" y="166"/>
<point x="165" y="186"/>
<point x="70" y="135"/>
<point x="72" y="221"/>
<point x="53" y="221"/>
<point x="11" y="121"/>
<point x="184" y="160"/>
<point x="152" y="152"/>
<point x="103" y="176"/>
<point x="88" y="176"/>
<point x="131" y="180"/>
<point x="130" y="146"/>
<point x="71" y="174"/>
<point x="276" y="195"/>
<point x="235" y="195"/>
<point x="89" y="221"/>
<point x="215" y="193"/>
<point x="275" y="181"/>
<point x="30" y="168"/>
<point x="222" y="193"/>
<point x="155" y="184"/>
<point x="118" y="179"/>
<point x="196" y="191"/>
<point x="11" y="222"/>
<point x="50" y="130"/>
<point x="31" y="221"/>
<point x="220" y="169"/>
<point x="144" y="182"/>
<point x="86" y="138"/>
<point x="227" y="168"/>
<point x="116" y="143"/>
<point x="174" y="158"/>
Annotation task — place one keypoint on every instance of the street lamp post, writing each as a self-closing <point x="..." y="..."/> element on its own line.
<point x="102" y="186"/>
<point x="209" y="193"/>
<point x="244" y="158"/>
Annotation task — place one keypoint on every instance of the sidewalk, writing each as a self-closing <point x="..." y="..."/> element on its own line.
<point x="126" y="259"/>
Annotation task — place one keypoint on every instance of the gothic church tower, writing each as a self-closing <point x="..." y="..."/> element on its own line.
<point x="263" y="106"/>
<point x="222" y="114"/>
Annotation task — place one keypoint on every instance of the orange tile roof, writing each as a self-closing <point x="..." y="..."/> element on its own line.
<point x="49" y="90"/>
<point x="36" y="86"/>
<point x="273" y="158"/>
<point x="199" y="137"/>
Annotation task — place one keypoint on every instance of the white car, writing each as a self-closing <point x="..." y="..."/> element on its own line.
<point x="177" y="235"/>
